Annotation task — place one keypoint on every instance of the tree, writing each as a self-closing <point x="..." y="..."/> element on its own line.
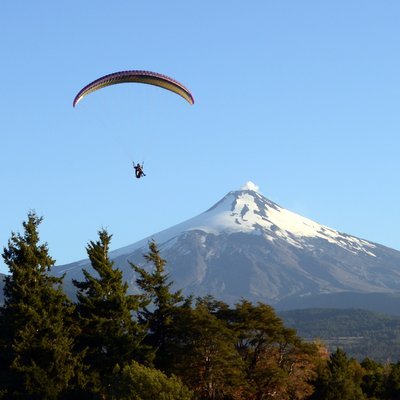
<point x="393" y="382"/>
<point x="277" y="363"/>
<point x="340" y="379"/>
<point x="139" y="382"/>
<point x="37" y="360"/>
<point x="110" y="335"/>
<point x="203" y="354"/>
<point x="160" y="303"/>
<point x="374" y="379"/>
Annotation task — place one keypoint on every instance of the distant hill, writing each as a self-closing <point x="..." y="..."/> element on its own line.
<point x="360" y="333"/>
<point x="387" y="303"/>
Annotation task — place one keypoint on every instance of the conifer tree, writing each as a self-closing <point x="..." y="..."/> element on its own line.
<point x="36" y="341"/>
<point x="393" y="382"/>
<point x="375" y="379"/>
<point x="157" y="315"/>
<point x="341" y="379"/>
<point x="110" y="335"/>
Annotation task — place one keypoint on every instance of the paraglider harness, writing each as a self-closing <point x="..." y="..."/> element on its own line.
<point x="138" y="169"/>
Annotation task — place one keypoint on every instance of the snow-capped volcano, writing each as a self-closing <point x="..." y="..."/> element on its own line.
<point x="247" y="211"/>
<point x="248" y="246"/>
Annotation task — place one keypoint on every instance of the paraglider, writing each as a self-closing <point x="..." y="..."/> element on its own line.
<point x="135" y="76"/>
<point x="138" y="170"/>
<point x="147" y="77"/>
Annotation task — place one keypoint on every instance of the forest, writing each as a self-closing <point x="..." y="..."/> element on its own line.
<point x="359" y="332"/>
<point x="157" y="343"/>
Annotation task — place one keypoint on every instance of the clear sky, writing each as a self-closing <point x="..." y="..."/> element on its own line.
<point x="300" y="97"/>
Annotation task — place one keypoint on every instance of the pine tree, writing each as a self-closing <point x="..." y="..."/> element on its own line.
<point x="341" y="379"/>
<point x="37" y="361"/>
<point x="110" y="335"/>
<point x="157" y="315"/>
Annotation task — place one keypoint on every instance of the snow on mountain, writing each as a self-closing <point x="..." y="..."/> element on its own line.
<point x="248" y="246"/>
<point x="248" y="211"/>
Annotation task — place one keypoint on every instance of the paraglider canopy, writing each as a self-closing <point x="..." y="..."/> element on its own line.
<point x="150" y="78"/>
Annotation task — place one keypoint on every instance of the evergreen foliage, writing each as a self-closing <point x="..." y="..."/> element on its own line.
<point x="160" y="304"/>
<point x="203" y="354"/>
<point x="139" y="382"/>
<point x="359" y="333"/>
<point x="277" y="363"/>
<point x="393" y="382"/>
<point x="374" y="379"/>
<point x="110" y="336"/>
<point x="105" y="345"/>
<point x="341" y="379"/>
<point x="37" y="361"/>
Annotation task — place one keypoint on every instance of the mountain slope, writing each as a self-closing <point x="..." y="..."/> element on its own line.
<point x="248" y="246"/>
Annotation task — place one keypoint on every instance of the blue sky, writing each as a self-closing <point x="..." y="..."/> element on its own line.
<point x="300" y="97"/>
